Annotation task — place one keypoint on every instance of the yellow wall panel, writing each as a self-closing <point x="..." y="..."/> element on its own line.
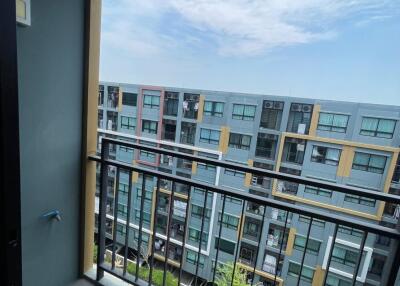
<point x="290" y="241"/>
<point x="224" y="139"/>
<point x="314" y="120"/>
<point x="201" y="109"/>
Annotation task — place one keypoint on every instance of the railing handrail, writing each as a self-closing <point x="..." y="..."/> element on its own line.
<point x="262" y="172"/>
<point x="306" y="211"/>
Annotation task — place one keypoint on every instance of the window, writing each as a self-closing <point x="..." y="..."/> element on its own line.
<point x="229" y="221"/>
<point x="336" y="281"/>
<point x="307" y="273"/>
<point x="148" y="195"/>
<point x="332" y="122"/>
<point x="377" y="127"/>
<point x="299" y="118"/>
<point x="325" y="155"/>
<point x="350" y="231"/>
<point x="344" y="256"/>
<point x="206" y="167"/>
<point x="128" y="122"/>
<point x="171" y="103"/>
<point x="125" y="149"/>
<point x="316" y="222"/>
<point x="378" y="263"/>
<point x="197" y="211"/>
<point x="129" y="98"/>
<point x="122" y="211"/>
<point x="244" y="112"/>
<point x="225" y="245"/>
<point x="149" y="126"/>
<point x="123" y="188"/>
<point x="312" y="245"/>
<point x="266" y="145"/>
<point x="213" y="108"/>
<point x="239" y="141"/>
<point x="359" y="200"/>
<point x="293" y="150"/>
<point x="146" y="216"/>
<point x="121" y="229"/>
<point x="318" y="191"/>
<point x="252" y="228"/>
<point x="369" y="162"/>
<point x="194" y="236"/>
<point x="191" y="257"/>
<point x="151" y="101"/>
<point x="271" y="115"/>
<point x="188" y="131"/>
<point x="147" y="154"/>
<point x="235" y="173"/>
<point x="209" y="136"/>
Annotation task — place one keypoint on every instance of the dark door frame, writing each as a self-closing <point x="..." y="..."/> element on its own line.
<point x="10" y="206"/>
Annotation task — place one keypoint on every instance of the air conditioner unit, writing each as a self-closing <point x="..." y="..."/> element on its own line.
<point x="254" y="180"/>
<point x="278" y="105"/>
<point x="306" y="108"/>
<point x="268" y="104"/>
<point x="296" y="107"/>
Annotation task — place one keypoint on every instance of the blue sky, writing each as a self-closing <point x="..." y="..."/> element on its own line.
<point x="327" y="49"/>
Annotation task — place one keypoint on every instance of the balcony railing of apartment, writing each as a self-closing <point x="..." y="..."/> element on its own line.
<point x="172" y="247"/>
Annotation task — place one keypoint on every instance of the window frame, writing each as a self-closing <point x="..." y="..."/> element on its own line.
<point x="149" y="129"/>
<point x="152" y="104"/>
<point x="128" y="125"/>
<point x="375" y="133"/>
<point x="367" y="167"/>
<point x="209" y="140"/>
<point x="239" y="144"/>
<point x="331" y="127"/>
<point x="241" y="115"/>
<point x="212" y="112"/>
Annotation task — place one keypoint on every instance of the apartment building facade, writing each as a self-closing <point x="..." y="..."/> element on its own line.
<point x="347" y="143"/>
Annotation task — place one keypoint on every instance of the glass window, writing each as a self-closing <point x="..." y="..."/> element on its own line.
<point x="316" y="222"/>
<point x="128" y="123"/>
<point x="212" y="108"/>
<point x="171" y="101"/>
<point x="307" y="273"/>
<point x="191" y="257"/>
<point x="225" y="245"/>
<point x="299" y="118"/>
<point x="244" y="112"/>
<point x="151" y="101"/>
<point x="194" y="236"/>
<point x="197" y="211"/>
<point x="369" y="162"/>
<point x="266" y="145"/>
<point x="377" y="127"/>
<point x="129" y="98"/>
<point x="271" y="115"/>
<point x="344" y="256"/>
<point x="313" y="245"/>
<point x="325" y="155"/>
<point x="239" y="141"/>
<point x="332" y="122"/>
<point x="336" y="281"/>
<point x="232" y="172"/>
<point x="149" y="126"/>
<point x="360" y="200"/>
<point x="229" y="221"/>
<point x="350" y="231"/>
<point x="209" y="136"/>
<point x="318" y="191"/>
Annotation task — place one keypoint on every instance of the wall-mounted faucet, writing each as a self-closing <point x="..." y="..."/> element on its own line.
<point x="55" y="214"/>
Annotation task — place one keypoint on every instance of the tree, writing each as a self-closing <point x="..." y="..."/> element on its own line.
<point x="224" y="275"/>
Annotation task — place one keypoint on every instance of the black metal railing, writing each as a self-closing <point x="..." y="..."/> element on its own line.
<point x="141" y="270"/>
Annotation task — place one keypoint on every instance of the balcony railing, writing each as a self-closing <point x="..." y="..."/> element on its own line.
<point x="141" y="270"/>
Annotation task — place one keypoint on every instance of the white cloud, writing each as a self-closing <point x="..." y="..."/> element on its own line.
<point x="236" y="27"/>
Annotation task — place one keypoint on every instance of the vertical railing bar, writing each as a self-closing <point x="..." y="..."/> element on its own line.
<point x="140" y="226"/>
<point x="364" y="238"/>
<point x="128" y="221"/>
<point x="171" y="210"/>
<point x="259" y="243"/>
<point x="238" y="242"/>
<point x="394" y="269"/>
<point x="204" y="212"/>
<point x="330" y="253"/>
<point x="116" y="197"/>
<point x="184" y="236"/>
<point x="102" y="210"/>
<point x="305" y="250"/>
<point x="153" y="242"/>
<point x="281" y="247"/>
<point x="219" y="238"/>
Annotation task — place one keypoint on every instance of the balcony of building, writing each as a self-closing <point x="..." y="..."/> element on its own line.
<point x="139" y="225"/>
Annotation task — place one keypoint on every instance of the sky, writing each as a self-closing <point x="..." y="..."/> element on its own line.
<point x="326" y="49"/>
